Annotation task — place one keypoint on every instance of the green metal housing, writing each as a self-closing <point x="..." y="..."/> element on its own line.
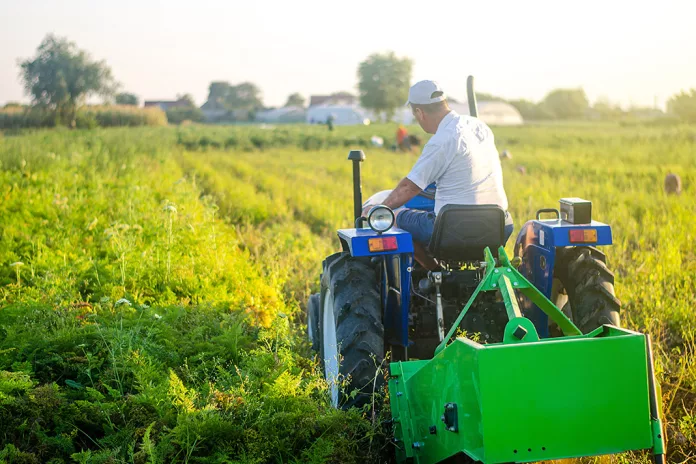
<point x="526" y="399"/>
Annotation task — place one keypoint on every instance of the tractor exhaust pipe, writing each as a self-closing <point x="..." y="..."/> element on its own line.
<point x="357" y="157"/>
<point x="471" y="97"/>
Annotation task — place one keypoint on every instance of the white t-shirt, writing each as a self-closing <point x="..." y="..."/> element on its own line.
<point x="461" y="158"/>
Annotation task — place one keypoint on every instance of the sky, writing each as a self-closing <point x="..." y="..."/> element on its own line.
<point x="633" y="52"/>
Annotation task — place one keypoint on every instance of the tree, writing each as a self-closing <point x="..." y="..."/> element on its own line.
<point x="531" y="111"/>
<point x="383" y="82"/>
<point x="480" y="96"/>
<point x="244" y="96"/>
<point x="179" y="114"/>
<point x="342" y="94"/>
<point x="295" y="99"/>
<point x="683" y="105"/>
<point x="61" y="77"/>
<point x="566" y="103"/>
<point x="217" y="94"/>
<point x="186" y="98"/>
<point x="605" y="110"/>
<point x="125" y="98"/>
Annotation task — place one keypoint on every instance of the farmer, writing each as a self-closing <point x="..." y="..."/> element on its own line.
<point x="461" y="158"/>
<point x="402" y="139"/>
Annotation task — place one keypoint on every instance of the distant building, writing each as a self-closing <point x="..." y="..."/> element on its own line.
<point x="341" y="115"/>
<point x="337" y="99"/>
<point x="493" y="113"/>
<point x="164" y="105"/>
<point x="287" y="114"/>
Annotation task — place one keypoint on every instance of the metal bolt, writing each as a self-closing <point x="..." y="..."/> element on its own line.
<point x="509" y="270"/>
<point x="496" y="271"/>
<point x="442" y="418"/>
<point x="399" y="393"/>
<point x="417" y="445"/>
<point x="451" y="429"/>
<point x="515" y="284"/>
<point x="494" y="285"/>
<point x="450" y="406"/>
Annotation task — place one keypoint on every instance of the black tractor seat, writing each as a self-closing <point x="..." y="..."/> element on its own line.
<point x="462" y="232"/>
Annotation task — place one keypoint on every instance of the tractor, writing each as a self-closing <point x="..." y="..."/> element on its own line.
<point x="490" y="359"/>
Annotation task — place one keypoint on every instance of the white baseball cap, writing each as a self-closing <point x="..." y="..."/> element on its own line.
<point x="421" y="93"/>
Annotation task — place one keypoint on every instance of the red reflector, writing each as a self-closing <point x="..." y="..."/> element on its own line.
<point x="382" y="244"/>
<point x="582" y="235"/>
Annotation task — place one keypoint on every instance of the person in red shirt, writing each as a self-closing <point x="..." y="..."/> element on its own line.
<point x="402" y="140"/>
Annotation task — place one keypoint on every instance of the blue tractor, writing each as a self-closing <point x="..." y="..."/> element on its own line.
<point x="490" y="359"/>
<point x="375" y="299"/>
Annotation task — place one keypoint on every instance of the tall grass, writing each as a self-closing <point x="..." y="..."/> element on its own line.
<point x="87" y="117"/>
<point x="136" y="328"/>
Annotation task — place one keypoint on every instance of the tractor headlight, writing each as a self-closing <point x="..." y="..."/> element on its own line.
<point x="380" y="218"/>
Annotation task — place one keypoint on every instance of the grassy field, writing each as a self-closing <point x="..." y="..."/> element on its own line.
<point x="151" y="281"/>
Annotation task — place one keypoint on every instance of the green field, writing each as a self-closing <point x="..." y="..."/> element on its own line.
<point x="152" y="281"/>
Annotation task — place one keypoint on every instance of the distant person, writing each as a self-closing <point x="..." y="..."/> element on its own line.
<point x="330" y="122"/>
<point x="461" y="158"/>
<point x="402" y="139"/>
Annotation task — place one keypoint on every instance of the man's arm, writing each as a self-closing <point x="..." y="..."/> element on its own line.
<point x="400" y="195"/>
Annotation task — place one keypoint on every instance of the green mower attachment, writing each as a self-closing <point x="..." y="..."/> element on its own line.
<point x="527" y="399"/>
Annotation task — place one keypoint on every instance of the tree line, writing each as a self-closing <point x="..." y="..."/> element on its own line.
<point x="60" y="78"/>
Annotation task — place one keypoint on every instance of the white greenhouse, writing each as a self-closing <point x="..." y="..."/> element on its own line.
<point x="493" y="113"/>
<point x="342" y="115"/>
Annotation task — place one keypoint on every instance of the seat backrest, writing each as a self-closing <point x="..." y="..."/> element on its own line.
<point x="462" y="232"/>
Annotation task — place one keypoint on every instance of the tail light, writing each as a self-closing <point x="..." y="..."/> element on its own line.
<point x="582" y="235"/>
<point x="382" y="244"/>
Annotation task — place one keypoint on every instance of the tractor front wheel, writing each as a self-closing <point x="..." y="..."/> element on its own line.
<point x="352" y="334"/>
<point x="586" y="285"/>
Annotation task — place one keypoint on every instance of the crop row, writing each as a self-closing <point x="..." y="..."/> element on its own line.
<point x="136" y="326"/>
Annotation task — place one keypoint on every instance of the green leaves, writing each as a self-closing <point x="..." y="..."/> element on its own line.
<point x="61" y="77"/>
<point x="73" y="384"/>
<point x="384" y="80"/>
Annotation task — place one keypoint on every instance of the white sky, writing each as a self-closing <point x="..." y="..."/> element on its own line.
<point x="630" y="51"/>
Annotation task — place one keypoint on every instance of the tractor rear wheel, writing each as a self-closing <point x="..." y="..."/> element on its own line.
<point x="585" y="284"/>
<point x="313" y="320"/>
<point x="352" y="334"/>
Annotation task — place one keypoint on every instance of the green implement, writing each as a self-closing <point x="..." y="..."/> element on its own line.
<point x="527" y="399"/>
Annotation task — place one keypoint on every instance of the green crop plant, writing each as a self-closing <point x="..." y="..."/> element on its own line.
<point x="156" y="317"/>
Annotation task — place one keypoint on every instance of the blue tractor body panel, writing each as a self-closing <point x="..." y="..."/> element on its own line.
<point x="357" y="241"/>
<point x="423" y="201"/>
<point x="536" y="244"/>
<point x="396" y="288"/>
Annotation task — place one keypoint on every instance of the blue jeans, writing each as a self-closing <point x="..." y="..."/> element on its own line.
<point x="420" y="224"/>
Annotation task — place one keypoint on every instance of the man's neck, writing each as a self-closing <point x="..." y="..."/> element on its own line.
<point x="437" y="119"/>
